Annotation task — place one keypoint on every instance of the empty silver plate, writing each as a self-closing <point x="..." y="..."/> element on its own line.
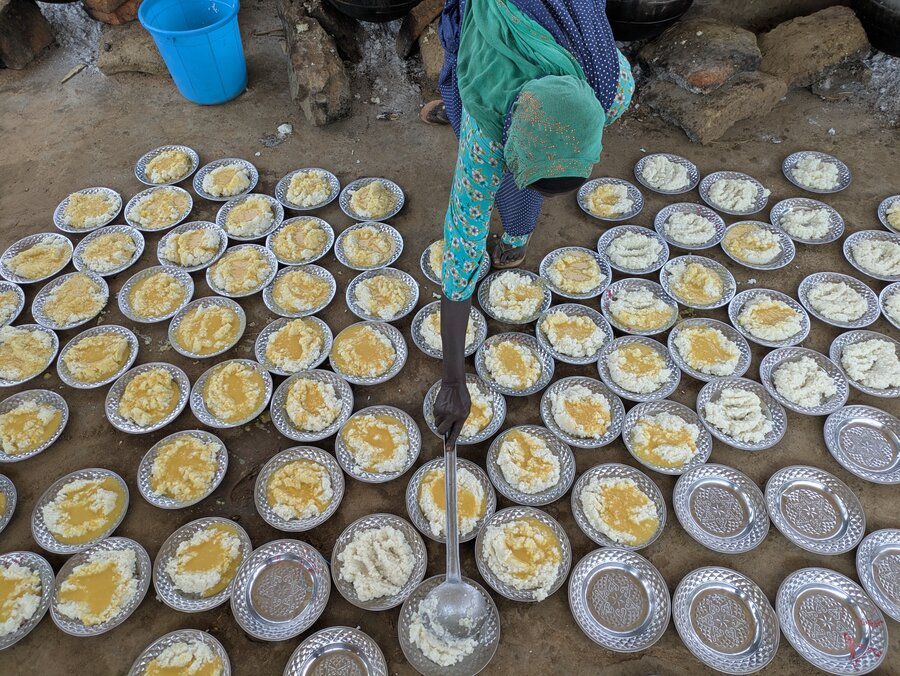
<point x="866" y="442"/>
<point x="337" y="651"/>
<point x="878" y="568"/>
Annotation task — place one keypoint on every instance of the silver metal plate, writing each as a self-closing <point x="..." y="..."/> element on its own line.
<point x="383" y="228"/>
<point x="815" y="510"/>
<point x="664" y="390"/>
<point x="280" y="590"/>
<point x="886" y="293"/>
<point x="39" y="397"/>
<point x="615" y="470"/>
<point x="23" y="245"/>
<point x="41" y="533"/>
<point x="573" y="310"/>
<point x="278" y="461"/>
<point x="878" y="568"/>
<point x="8" y="490"/>
<point x="729" y="286"/>
<point x="262" y="342"/>
<point x="140" y="167"/>
<point x="602" y="263"/>
<point x="772" y="361"/>
<point x="831" y="622"/>
<point x="6" y="287"/>
<point x="633" y="194"/>
<point x="614" y="233"/>
<point x="338" y="651"/>
<point x="784" y="257"/>
<point x="145" y="469"/>
<point x="728" y="331"/>
<point x="883" y="207"/>
<point x="134" y="201"/>
<point x="270" y="276"/>
<point x="435" y="276"/>
<point x="268" y="293"/>
<point x="284" y="184"/>
<point x="693" y="174"/>
<point x="616" y="412"/>
<point x="852" y="337"/>
<point x="484" y="301"/>
<point x="479" y="323"/>
<point x="498" y="411"/>
<point x="872" y="308"/>
<point x="737" y="304"/>
<point x="84" y="266"/>
<point x="183" y="278"/>
<point x="207" y="301"/>
<point x="326" y="228"/>
<point x="356" y="308"/>
<point x="207" y="168"/>
<point x="191" y="226"/>
<point x="371" y="522"/>
<point x="37" y="306"/>
<point x="225" y="209"/>
<point x="762" y="195"/>
<point x="350" y="188"/>
<point x="286" y="426"/>
<point x="650" y="408"/>
<point x="155" y="649"/>
<point x="418" y="517"/>
<point x="37" y="564"/>
<point x="663" y="215"/>
<point x="725" y="620"/>
<point x="165" y="587"/>
<point x="784" y="207"/>
<point x="526" y="341"/>
<point x="401" y="352"/>
<point x="633" y="284"/>
<point x="117" y="390"/>
<point x="198" y="400"/>
<point x="348" y="462"/>
<point x="791" y="160"/>
<point x="770" y="407"/>
<point x="859" y="236"/>
<point x="143" y="573"/>
<point x="54" y="348"/>
<point x="112" y="197"/>
<point x="866" y="442"/>
<point x="721" y="508"/>
<point x="561" y="451"/>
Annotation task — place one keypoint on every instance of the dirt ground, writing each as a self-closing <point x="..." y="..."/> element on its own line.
<point x="89" y="131"/>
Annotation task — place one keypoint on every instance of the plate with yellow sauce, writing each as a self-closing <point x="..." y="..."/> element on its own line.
<point x="530" y="466"/>
<point x="769" y="318"/>
<point x="637" y="368"/>
<point x="697" y="282"/>
<point x="666" y="437"/>
<point x="573" y="333"/>
<point x="486" y="415"/>
<point x="166" y="165"/>
<point x="109" y="251"/>
<point x="758" y="245"/>
<point x="243" y="270"/>
<point x="231" y="393"/>
<point x="99" y="588"/>
<point x="147" y="397"/>
<point x="195" y="566"/>
<point x="221" y="180"/>
<point x="207" y="657"/>
<point x="250" y="217"/>
<point x="582" y="412"/>
<point x="182" y="469"/>
<point x="301" y="240"/>
<point x="192" y="246"/>
<point x="368" y="246"/>
<point x="78" y="510"/>
<point x="371" y="199"/>
<point x="160" y="208"/>
<point x="368" y="353"/>
<point x="70" y="301"/>
<point x="311" y="405"/>
<point x="35" y="258"/>
<point x="300" y="291"/>
<point x="207" y="327"/>
<point x="426" y="330"/>
<point x="155" y="294"/>
<point x="8" y="500"/>
<point x="87" y="209"/>
<point x="26" y="351"/>
<point x="287" y="346"/>
<point x="30" y="422"/>
<point x="97" y="356"/>
<point x="386" y="295"/>
<point x="12" y="302"/>
<point x="637" y="306"/>
<point x="307" y="189"/>
<point x="610" y="199"/>
<point x="298" y="489"/>
<point x="378" y="444"/>
<point x="514" y="364"/>
<point x="26" y="587"/>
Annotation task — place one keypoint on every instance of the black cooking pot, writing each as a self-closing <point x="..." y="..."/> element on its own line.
<point x="881" y="19"/>
<point x="376" y="11"/>
<point x="643" y="19"/>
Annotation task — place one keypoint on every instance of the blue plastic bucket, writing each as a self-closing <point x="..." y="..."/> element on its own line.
<point x="201" y="44"/>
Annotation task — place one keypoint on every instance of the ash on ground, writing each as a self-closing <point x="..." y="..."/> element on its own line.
<point x="77" y="34"/>
<point x="391" y="79"/>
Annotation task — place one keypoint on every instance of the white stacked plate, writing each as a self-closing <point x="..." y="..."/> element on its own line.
<point x="859" y="236"/>
<point x="659" y="224"/>
<point x="183" y="278"/>
<point x="332" y="650"/>
<point x="866" y="442"/>
<point x="262" y="342"/>
<point x="573" y="310"/>
<point x="207" y="168"/>
<point x="155" y="649"/>
<point x="729" y="286"/>
<point x="411" y="284"/>
<point x="46" y="397"/>
<point x="786" y="244"/>
<point x="634" y="195"/>
<point x="776" y="358"/>
<point x="145" y="468"/>
<point x="650" y="408"/>
<point x="140" y="167"/>
<point x="350" y="188"/>
<point x="771" y="409"/>
<point x="479" y="324"/>
<point x="602" y="263"/>
<point x="693" y="173"/>
<point x="762" y="195"/>
<point x="851" y="337"/>
<point x="26" y="243"/>
<point x="136" y="237"/>
<point x="737" y="303"/>
<point x="37" y="306"/>
<point x="282" y="420"/>
<point x="225" y="209"/>
<point x="192" y="226"/>
<point x="59" y="214"/>
<point x="198" y="399"/>
<point x="284" y="184"/>
<point x="484" y="293"/>
<point x="877" y="558"/>
<point x="269" y="291"/>
<point x="133" y="202"/>
<point x="791" y="161"/>
<point x="810" y="282"/>
<point x="614" y="233"/>
<point x="498" y="409"/>
<point x="561" y="452"/>
<point x="326" y="228"/>
<point x="663" y="391"/>
<point x="616" y="412"/>
<point x="728" y="331"/>
<point x="784" y="207"/>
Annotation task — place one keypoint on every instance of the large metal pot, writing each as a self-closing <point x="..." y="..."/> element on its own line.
<point x="881" y="19"/>
<point x="376" y="11"/>
<point x="643" y="19"/>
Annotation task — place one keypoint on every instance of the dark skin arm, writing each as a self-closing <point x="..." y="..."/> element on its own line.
<point x="451" y="407"/>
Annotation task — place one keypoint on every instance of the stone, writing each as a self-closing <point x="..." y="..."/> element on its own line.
<point x="122" y="13"/>
<point x="848" y="80"/>
<point x="757" y="15"/>
<point x="705" y="118"/>
<point x="129" y="49"/>
<point x="801" y="50"/>
<point x="415" y="23"/>
<point x="106" y="6"/>
<point x="701" y="55"/>
<point x="432" y="52"/>
<point x="319" y="82"/>
<point x="346" y="31"/>
<point x="24" y="33"/>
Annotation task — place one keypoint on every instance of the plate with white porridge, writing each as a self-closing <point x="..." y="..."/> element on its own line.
<point x="385" y="295"/>
<point x="667" y="173"/>
<point x="530" y="466"/>
<point x="156" y="209"/>
<point x="242" y="271"/>
<point x="147" y="398"/>
<point x="866" y="442"/>
<point x="300" y="291"/>
<point x="689" y="226"/>
<point x="30" y="422"/>
<point x="666" y="436"/>
<point x="337" y="648"/>
<point x="633" y="249"/>
<point x="298" y="489"/>
<point x="573" y="333"/>
<point x="155" y="294"/>
<point x="221" y="180"/>
<point x="371" y="199"/>
<point x="839" y="300"/>
<point x="8" y="500"/>
<point x="12" y="302"/>
<point x="706" y="349"/>
<point x="70" y="301"/>
<point x="769" y="318"/>
<point x="426" y="330"/>
<point x="87" y="210"/>
<point x="640" y="307"/>
<point x="638" y="368"/>
<point x="311" y="405"/>
<point x="523" y="554"/>
<point x="807" y="221"/>
<point x="99" y="588"/>
<point x="196" y="651"/>
<point x="871" y="361"/>
<point x="889" y="213"/>
<point x="816" y="172"/>
<point x="576" y="272"/>
<point x="874" y="253"/>
<point x="432" y="260"/>
<point x="486" y="414"/>
<point x="368" y="245"/>
<point x="582" y="412"/>
<point x="514" y="364"/>
<point x="35" y="258"/>
<point x="307" y="189"/>
<point x="875" y="558"/>
<point x="815" y="510"/>
<point x="94" y="358"/>
<point x="741" y="413"/>
<point x="514" y="296"/>
<point x="758" y="245"/>
<point x="109" y="251"/>
<point x="610" y="199"/>
<point x="734" y="193"/>
<point x="250" y="217"/>
<point x="697" y="282"/>
<point x="207" y="327"/>
<point x="368" y="353"/>
<point x="721" y="508"/>
<point x="378" y="444"/>
<point x="426" y="499"/>
<point x="619" y="600"/>
<point x="287" y="346"/>
<point x="618" y="506"/>
<point x="26" y="351"/>
<point x="196" y="564"/>
<point x="27" y="584"/>
<point x="300" y="240"/>
<point x="182" y="469"/>
<point x="166" y="165"/>
<point x="231" y="393"/>
<point x="889" y="301"/>
<point x="804" y="380"/>
<point x="377" y="561"/>
<point x="192" y="246"/>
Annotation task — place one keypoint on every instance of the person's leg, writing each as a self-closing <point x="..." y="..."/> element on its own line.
<point x="449" y="109"/>
<point x="519" y="211"/>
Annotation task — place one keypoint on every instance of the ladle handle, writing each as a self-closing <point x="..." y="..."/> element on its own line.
<point x="451" y="527"/>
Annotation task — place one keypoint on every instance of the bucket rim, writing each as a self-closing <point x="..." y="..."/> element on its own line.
<point x="142" y="9"/>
